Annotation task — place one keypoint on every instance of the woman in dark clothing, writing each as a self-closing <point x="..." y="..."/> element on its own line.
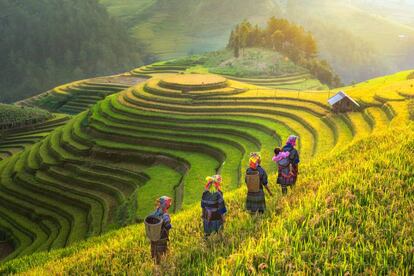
<point x="288" y="171"/>
<point x="255" y="201"/>
<point x="213" y="206"/>
<point x="160" y="247"/>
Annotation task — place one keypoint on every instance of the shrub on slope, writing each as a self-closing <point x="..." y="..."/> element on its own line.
<point x="347" y="216"/>
<point x="287" y="38"/>
<point x="255" y="62"/>
<point x="11" y="115"/>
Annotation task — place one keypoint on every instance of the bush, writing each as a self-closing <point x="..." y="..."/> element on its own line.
<point x="15" y="116"/>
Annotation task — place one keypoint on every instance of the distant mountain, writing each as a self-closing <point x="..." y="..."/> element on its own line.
<point x="401" y="11"/>
<point x="173" y="28"/>
<point x="359" y="44"/>
<point x="352" y="36"/>
<point x="49" y="42"/>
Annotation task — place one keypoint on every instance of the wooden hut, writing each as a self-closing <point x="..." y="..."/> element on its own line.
<point x="341" y="102"/>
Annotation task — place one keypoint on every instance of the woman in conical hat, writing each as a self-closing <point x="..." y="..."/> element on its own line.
<point x="160" y="248"/>
<point x="213" y="205"/>
<point x="255" y="201"/>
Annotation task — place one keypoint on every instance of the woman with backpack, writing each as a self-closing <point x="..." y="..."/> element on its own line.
<point x="160" y="247"/>
<point x="256" y="179"/>
<point x="288" y="164"/>
<point x="213" y="206"/>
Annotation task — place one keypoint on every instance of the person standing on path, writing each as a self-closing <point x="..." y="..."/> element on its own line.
<point x="160" y="247"/>
<point x="213" y="206"/>
<point x="255" y="201"/>
<point x="288" y="171"/>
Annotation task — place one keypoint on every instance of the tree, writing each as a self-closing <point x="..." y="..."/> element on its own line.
<point x="255" y="37"/>
<point x="287" y="38"/>
<point x="237" y="45"/>
<point x="84" y="37"/>
<point x="277" y="39"/>
<point x="231" y="43"/>
<point x="309" y="46"/>
<point x="244" y="32"/>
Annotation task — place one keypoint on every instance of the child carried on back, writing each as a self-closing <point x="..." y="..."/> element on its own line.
<point x="286" y="175"/>
<point x="280" y="156"/>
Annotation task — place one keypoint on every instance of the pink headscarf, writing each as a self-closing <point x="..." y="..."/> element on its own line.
<point x="292" y="140"/>
<point x="164" y="203"/>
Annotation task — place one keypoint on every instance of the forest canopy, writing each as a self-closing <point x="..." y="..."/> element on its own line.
<point x="287" y="38"/>
<point x="48" y="42"/>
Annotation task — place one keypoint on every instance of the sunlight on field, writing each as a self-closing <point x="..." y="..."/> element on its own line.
<point x="165" y="135"/>
<point x="132" y="133"/>
<point x="194" y="80"/>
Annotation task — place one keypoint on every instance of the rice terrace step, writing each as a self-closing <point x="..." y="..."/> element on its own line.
<point x="258" y="157"/>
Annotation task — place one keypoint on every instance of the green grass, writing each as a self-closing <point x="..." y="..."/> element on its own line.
<point x="12" y="116"/>
<point x="164" y="181"/>
<point x="106" y="166"/>
<point x="255" y="66"/>
<point x="252" y="63"/>
<point x="76" y="97"/>
<point x="15" y="140"/>
<point x="337" y="221"/>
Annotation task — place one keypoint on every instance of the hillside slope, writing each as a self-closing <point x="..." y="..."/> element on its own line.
<point x="45" y="43"/>
<point x="73" y="98"/>
<point x="344" y="218"/>
<point x="399" y="11"/>
<point x="156" y="139"/>
<point x="181" y="27"/>
<point x="256" y="66"/>
<point x="21" y="127"/>
<point x="360" y="45"/>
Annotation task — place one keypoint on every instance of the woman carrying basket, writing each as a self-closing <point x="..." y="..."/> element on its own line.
<point x="160" y="247"/>
<point x="213" y="206"/>
<point x="256" y="179"/>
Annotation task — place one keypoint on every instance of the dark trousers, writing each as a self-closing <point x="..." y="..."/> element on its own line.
<point x="158" y="249"/>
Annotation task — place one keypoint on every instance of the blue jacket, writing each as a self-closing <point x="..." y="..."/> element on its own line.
<point x="294" y="155"/>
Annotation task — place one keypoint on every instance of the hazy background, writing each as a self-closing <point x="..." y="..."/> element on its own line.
<point x="49" y="42"/>
<point x="361" y="39"/>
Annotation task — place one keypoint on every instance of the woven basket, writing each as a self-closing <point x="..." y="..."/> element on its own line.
<point x="153" y="227"/>
<point x="253" y="182"/>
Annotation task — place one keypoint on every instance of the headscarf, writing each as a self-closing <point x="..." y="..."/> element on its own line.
<point x="292" y="140"/>
<point x="164" y="203"/>
<point x="254" y="160"/>
<point x="216" y="180"/>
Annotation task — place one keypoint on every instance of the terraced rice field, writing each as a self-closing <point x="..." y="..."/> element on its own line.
<point x="15" y="140"/>
<point x="163" y="137"/>
<point x="106" y="166"/>
<point x="299" y="81"/>
<point x="160" y="68"/>
<point x="12" y="116"/>
<point x="78" y="96"/>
